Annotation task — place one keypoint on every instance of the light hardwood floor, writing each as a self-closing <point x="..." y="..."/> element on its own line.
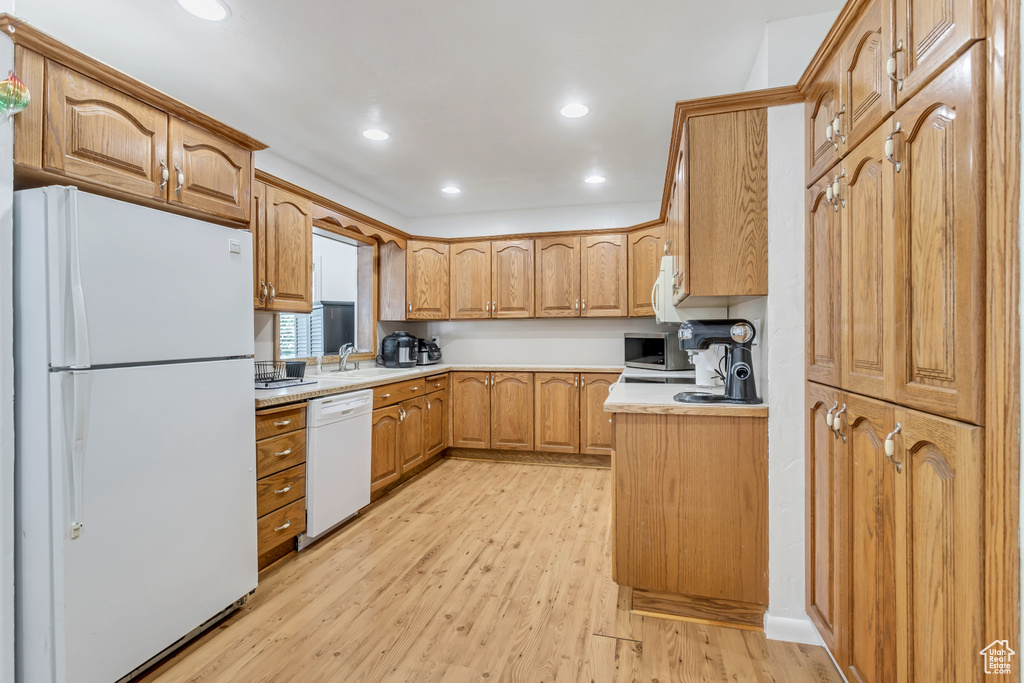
<point x="475" y="571"/>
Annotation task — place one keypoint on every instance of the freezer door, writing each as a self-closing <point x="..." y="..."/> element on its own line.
<point x="155" y="507"/>
<point x="128" y="284"/>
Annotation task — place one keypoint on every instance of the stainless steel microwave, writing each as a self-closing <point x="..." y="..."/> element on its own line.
<point x="655" y="351"/>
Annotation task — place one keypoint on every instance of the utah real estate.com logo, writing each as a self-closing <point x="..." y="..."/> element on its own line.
<point x="998" y="657"/>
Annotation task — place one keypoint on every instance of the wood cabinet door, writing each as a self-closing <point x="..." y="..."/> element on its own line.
<point x="929" y="34"/>
<point x="603" y="277"/>
<point x="596" y="433"/>
<point x="470" y="280"/>
<point x="557" y="410"/>
<point x="939" y="540"/>
<point x="412" y="446"/>
<point x="940" y="244"/>
<point x="426" y="280"/>
<point x="823" y="286"/>
<point x="870" y="516"/>
<point x="512" y="279"/>
<point x="384" y="467"/>
<point x="728" y="204"/>
<point x="825" y="505"/>
<point x="436" y="429"/>
<point x="258" y="227"/>
<point x="646" y="247"/>
<point x="102" y="135"/>
<point x="869" y="96"/>
<point x="679" y="214"/>
<point x="820" y="111"/>
<point x="867" y="222"/>
<point x="558" y="277"/>
<point x="215" y="173"/>
<point x="471" y="409"/>
<point x="289" y="252"/>
<point x="512" y="411"/>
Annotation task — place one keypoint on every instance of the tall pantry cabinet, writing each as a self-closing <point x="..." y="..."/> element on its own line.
<point x="895" y="306"/>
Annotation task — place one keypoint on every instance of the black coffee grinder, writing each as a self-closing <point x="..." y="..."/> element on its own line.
<point x="698" y="335"/>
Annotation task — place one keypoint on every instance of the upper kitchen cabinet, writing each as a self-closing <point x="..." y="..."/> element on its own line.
<point x="727" y="227"/>
<point x="929" y="35"/>
<point x="820" y="110"/>
<point x="94" y="127"/>
<point x="603" y="277"/>
<point x="868" y="94"/>
<point x="97" y="133"/>
<point x="285" y="237"/>
<point x="646" y="247"/>
<point x="940" y="243"/>
<point x="414" y="282"/>
<point x="512" y="279"/>
<point x="558" y="277"/>
<point x="823" y="282"/>
<point x="470" y="280"/>
<point x="208" y="172"/>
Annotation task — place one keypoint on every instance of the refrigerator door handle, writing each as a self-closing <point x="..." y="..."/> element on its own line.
<point x="80" y="384"/>
<point x="75" y="273"/>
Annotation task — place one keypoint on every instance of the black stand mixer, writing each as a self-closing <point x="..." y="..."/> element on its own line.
<point x="737" y="334"/>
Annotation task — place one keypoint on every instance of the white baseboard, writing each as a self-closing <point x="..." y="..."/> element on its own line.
<point x="791" y="630"/>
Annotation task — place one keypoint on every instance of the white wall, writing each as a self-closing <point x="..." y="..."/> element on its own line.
<point x="787" y="48"/>
<point x="7" y="376"/>
<point x="276" y="165"/>
<point x="596" y="341"/>
<point x="553" y="219"/>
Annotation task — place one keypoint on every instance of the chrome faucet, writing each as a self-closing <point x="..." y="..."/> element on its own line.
<point x="343" y="353"/>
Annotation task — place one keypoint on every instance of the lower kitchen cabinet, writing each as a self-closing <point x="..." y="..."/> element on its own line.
<point x="596" y="433"/>
<point x="471" y="409"/>
<point x="492" y="410"/>
<point x="412" y="448"/>
<point x="281" y="480"/>
<point x="895" y="524"/>
<point x="557" y="408"/>
<point x="384" y="467"/>
<point x="436" y="428"/>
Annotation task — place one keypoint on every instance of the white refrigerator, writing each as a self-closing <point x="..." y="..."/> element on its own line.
<point x="135" y="503"/>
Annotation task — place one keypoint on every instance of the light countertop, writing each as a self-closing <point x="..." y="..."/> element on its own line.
<point x="658" y="399"/>
<point x="329" y="385"/>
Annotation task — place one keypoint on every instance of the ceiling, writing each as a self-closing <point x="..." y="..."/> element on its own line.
<point x="469" y="90"/>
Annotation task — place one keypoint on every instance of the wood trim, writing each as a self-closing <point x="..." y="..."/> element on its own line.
<point x="753" y="99"/>
<point x="342" y="216"/>
<point x="715" y="610"/>
<point x="29" y="36"/>
<point x="532" y="457"/>
<point x="537" y="235"/>
<point x="1002" y="336"/>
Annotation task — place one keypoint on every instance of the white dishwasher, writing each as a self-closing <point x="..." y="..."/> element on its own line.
<point x="338" y="444"/>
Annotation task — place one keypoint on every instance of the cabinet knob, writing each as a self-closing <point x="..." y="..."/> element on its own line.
<point x="837" y="422"/>
<point x="180" y="178"/>
<point x="890" y="447"/>
<point x="263" y="292"/>
<point x="577" y="304"/>
<point x="828" y="416"/>
<point x="273" y="292"/>
<point x="165" y="174"/>
<point x="890" y="66"/>
<point x="890" y="146"/>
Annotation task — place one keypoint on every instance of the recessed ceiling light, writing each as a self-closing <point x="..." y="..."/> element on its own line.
<point x="594" y="179"/>
<point x="575" y="110"/>
<point x="450" y="189"/>
<point x="211" y="10"/>
<point x="374" y="134"/>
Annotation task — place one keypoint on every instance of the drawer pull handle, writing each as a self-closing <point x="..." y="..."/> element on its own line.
<point x="890" y="447"/>
<point x="282" y="423"/>
<point x="890" y="66"/>
<point x="283" y="526"/>
<point x="414" y="388"/>
<point x="890" y="146"/>
<point x="437" y="384"/>
<point x="286" y="489"/>
<point x="283" y="453"/>
<point x="385" y="395"/>
<point x="428" y="406"/>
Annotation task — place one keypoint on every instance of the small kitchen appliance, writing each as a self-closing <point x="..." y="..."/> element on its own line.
<point x="428" y="352"/>
<point x="737" y="335"/>
<point x="398" y="350"/>
<point x="654" y="351"/>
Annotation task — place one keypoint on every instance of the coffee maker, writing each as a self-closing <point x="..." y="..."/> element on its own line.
<point x="737" y="335"/>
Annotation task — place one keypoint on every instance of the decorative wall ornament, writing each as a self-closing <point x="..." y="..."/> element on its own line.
<point x="14" y="95"/>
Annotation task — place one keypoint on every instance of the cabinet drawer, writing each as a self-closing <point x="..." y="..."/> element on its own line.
<point x="436" y="383"/>
<point x="389" y="394"/>
<point x="280" y="452"/>
<point x="279" y="489"/>
<point x="280" y="421"/>
<point x="274" y="529"/>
